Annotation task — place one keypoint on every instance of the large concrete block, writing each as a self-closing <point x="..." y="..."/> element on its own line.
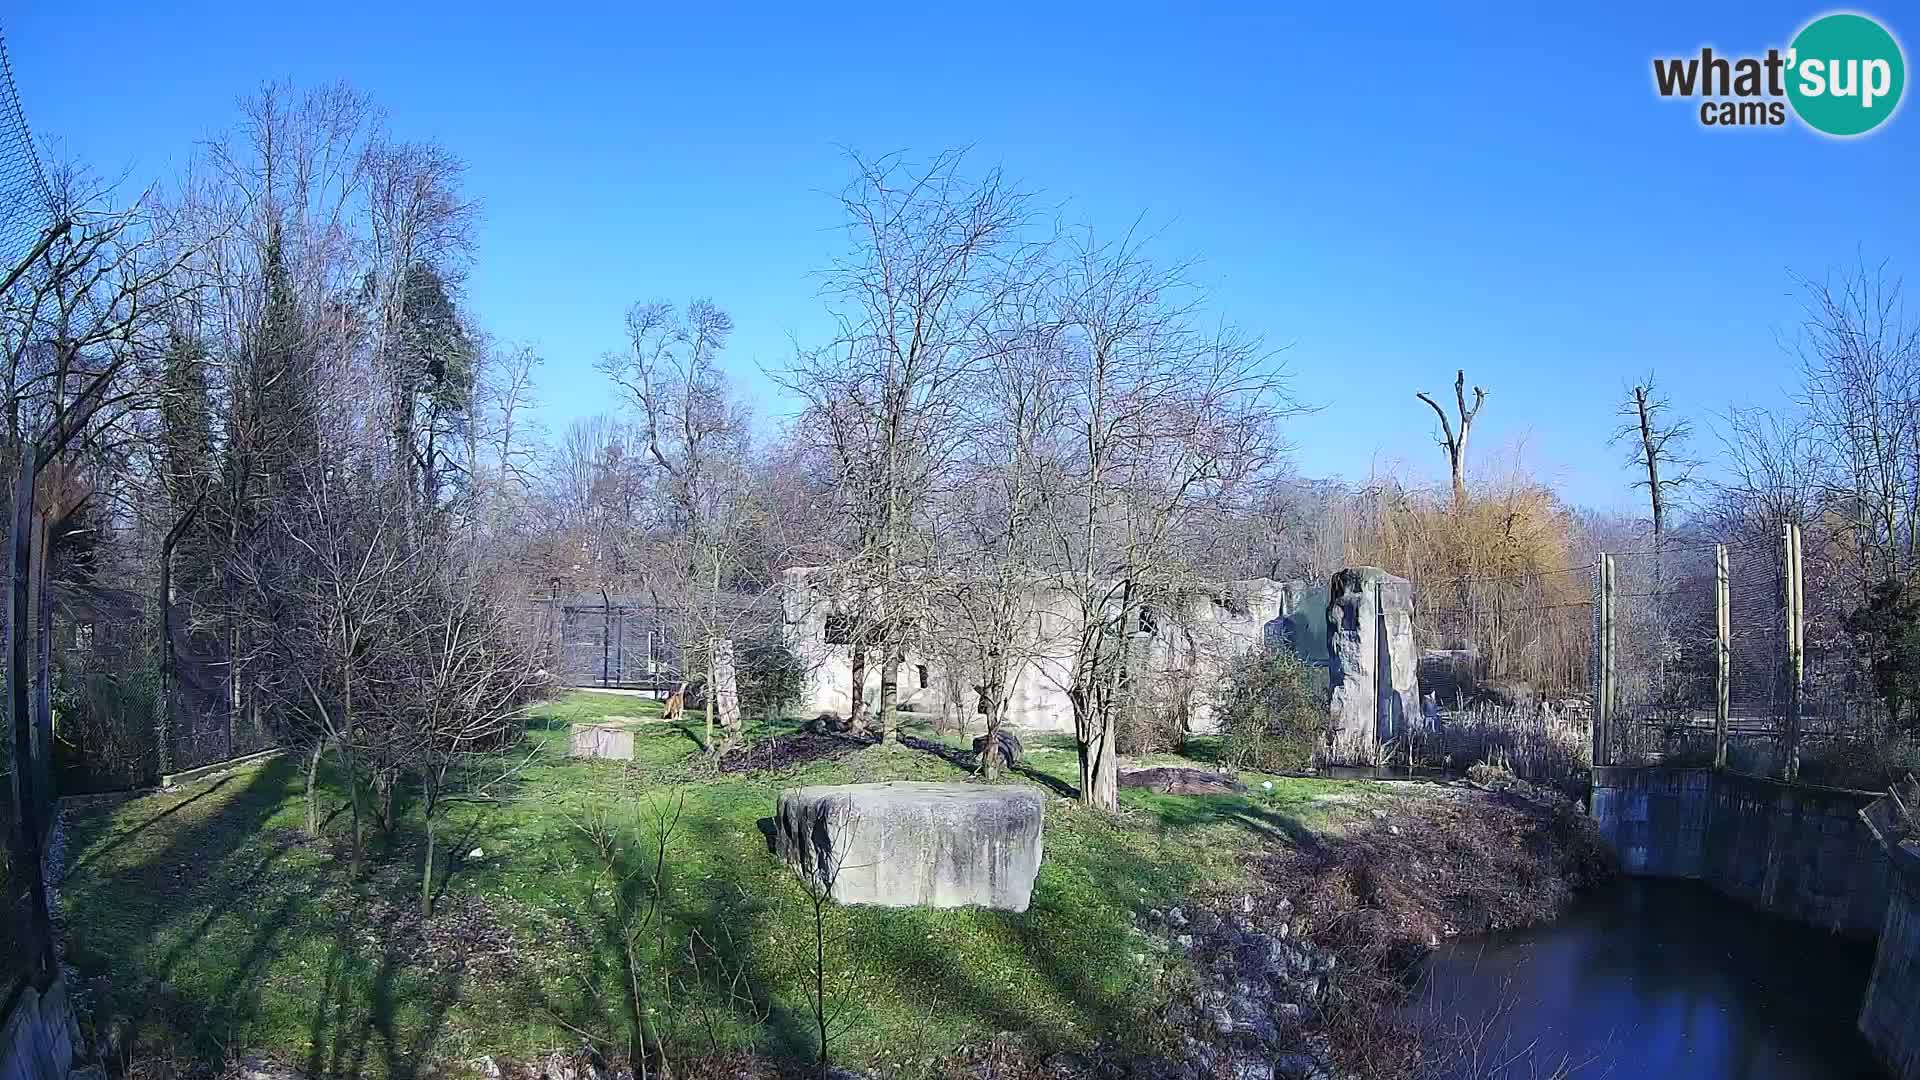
<point x="906" y="844"/>
<point x="1371" y="662"/>
<point x="601" y="741"/>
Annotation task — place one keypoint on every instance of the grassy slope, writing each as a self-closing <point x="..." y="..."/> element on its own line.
<point x="222" y="929"/>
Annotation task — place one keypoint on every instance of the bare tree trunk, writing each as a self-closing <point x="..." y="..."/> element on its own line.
<point x="345" y="744"/>
<point x="1104" y="783"/>
<point x="1099" y="773"/>
<point x="1455" y="443"/>
<point x="429" y="803"/>
<point x="857" y="701"/>
<point x="42" y="651"/>
<point x="995" y="687"/>
<point x="26" y="792"/>
<point x="163" y="733"/>
<point x="313" y="794"/>
<point x="890" y="698"/>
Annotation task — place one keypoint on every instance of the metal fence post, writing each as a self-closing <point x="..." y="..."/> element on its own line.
<point x="1723" y="654"/>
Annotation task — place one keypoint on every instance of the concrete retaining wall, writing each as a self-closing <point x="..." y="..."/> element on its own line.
<point x="1797" y="851"/>
<point x="1890" y="1017"/>
<point x="39" y="1037"/>
<point x="1806" y="853"/>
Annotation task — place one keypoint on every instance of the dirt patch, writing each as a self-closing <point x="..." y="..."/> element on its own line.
<point x="783" y="752"/>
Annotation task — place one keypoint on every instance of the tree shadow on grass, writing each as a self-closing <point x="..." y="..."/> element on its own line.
<point x="1182" y="812"/>
<point x="190" y="929"/>
<point x="117" y="839"/>
<point x="201" y="871"/>
<point x="965" y="761"/>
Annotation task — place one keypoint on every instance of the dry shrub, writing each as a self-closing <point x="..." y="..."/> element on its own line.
<point x="1545" y="744"/>
<point x="1866" y="765"/>
<point x="1152" y="717"/>
<point x="1494" y="574"/>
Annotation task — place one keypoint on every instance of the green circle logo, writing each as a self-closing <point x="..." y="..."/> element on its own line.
<point x="1845" y="74"/>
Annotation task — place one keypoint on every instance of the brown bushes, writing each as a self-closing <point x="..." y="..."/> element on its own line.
<point x="1455" y="861"/>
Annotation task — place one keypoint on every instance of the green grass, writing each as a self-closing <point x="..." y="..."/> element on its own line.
<point x="219" y="928"/>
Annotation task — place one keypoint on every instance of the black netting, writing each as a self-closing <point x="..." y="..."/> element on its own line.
<point x="26" y="202"/>
<point x="25" y="214"/>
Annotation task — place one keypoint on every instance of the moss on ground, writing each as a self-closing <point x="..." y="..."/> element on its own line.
<point x="215" y="926"/>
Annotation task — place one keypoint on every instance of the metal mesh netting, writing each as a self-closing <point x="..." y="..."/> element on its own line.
<point x="1504" y="667"/>
<point x="25" y="213"/>
<point x="26" y="202"/>
<point x="1666" y="667"/>
<point x="616" y="645"/>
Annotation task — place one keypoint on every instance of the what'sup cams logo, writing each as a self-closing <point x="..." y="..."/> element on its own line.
<point x="1842" y="76"/>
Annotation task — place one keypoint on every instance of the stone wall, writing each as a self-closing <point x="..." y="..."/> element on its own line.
<point x="1806" y="853"/>
<point x="1798" y="851"/>
<point x="1372" y="664"/>
<point x="1890" y="1017"/>
<point x="39" y="1038"/>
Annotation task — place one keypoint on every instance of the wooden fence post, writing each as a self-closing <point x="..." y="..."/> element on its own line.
<point x="1603" y="708"/>
<point x="1723" y="651"/>
<point x="1796" y="653"/>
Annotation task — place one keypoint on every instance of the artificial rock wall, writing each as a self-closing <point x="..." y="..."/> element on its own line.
<point x="1191" y="640"/>
<point x="1360" y="629"/>
<point x="1372" y="663"/>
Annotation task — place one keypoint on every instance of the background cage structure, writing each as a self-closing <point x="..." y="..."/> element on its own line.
<point x="626" y="642"/>
<point x="1794" y="684"/>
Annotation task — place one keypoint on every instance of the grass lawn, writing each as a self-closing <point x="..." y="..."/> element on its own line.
<point x="216" y="927"/>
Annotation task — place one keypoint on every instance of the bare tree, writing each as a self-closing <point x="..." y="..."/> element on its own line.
<point x="1860" y="365"/>
<point x="1455" y="443"/>
<point x="695" y="436"/>
<point x="81" y="326"/>
<point x="933" y="258"/>
<point x="1165" y="425"/>
<point x="1658" y="448"/>
<point x="994" y="585"/>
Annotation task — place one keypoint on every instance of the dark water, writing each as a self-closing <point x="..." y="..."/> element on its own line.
<point x="1661" y="978"/>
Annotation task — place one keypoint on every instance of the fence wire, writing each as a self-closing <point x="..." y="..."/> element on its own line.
<point x="1665" y="657"/>
<point x="26" y="212"/>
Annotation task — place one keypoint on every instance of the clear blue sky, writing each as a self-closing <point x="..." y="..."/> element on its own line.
<point x="1394" y="191"/>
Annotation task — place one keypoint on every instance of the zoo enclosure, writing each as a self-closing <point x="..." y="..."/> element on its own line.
<point x="627" y="643"/>
<point x="1735" y="654"/>
<point x="1717" y="656"/>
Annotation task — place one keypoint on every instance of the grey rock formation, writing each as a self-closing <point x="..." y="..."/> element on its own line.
<point x="1372" y="663"/>
<point x="906" y="844"/>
